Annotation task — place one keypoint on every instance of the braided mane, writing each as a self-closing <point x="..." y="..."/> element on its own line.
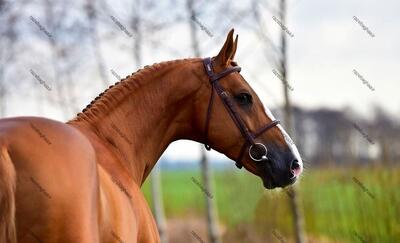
<point x="117" y="92"/>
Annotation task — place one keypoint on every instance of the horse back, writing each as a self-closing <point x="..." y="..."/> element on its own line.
<point x="56" y="189"/>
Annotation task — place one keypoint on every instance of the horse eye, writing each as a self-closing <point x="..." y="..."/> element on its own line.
<point x="244" y="99"/>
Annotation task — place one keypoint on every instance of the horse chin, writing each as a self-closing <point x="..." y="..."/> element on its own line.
<point x="268" y="183"/>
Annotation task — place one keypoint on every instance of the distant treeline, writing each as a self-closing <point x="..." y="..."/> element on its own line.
<point x="327" y="136"/>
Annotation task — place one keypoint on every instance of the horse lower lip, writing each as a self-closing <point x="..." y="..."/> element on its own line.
<point x="268" y="184"/>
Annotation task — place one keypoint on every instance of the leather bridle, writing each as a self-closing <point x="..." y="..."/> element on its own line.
<point x="257" y="151"/>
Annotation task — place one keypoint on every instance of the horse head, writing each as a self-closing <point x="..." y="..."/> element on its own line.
<point x="236" y="123"/>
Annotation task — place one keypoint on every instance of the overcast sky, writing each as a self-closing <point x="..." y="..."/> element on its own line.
<point x="329" y="46"/>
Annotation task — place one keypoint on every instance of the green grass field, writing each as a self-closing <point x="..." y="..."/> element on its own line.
<point x="339" y="205"/>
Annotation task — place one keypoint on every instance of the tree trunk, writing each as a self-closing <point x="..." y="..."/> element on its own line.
<point x="92" y="17"/>
<point x="136" y="24"/>
<point x="3" y="93"/>
<point x="212" y="218"/>
<point x="212" y="222"/>
<point x="158" y="207"/>
<point x="288" y="118"/>
<point x="58" y="86"/>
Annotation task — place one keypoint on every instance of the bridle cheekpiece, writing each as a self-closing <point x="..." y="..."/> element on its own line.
<point x="257" y="151"/>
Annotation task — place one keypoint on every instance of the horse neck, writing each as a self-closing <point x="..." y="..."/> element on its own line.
<point x="141" y="125"/>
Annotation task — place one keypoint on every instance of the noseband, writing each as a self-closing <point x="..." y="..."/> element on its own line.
<point x="230" y="107"/>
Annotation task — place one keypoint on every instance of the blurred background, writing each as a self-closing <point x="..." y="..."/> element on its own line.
<point x="329" y="70"/>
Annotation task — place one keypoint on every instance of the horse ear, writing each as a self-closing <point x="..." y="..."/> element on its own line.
<point x="228" y="51"/>
<point x="235" y="47"/>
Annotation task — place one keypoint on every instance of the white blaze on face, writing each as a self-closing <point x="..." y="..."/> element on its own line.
<point x="288" y="140"/>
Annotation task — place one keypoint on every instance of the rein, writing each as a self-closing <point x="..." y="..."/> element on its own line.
<point x="255" y="149"/>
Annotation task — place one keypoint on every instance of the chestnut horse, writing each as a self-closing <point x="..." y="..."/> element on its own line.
<point x="80" y="181"/>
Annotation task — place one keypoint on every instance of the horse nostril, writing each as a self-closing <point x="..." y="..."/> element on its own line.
<point x="295" y="168"/>
<point x="294" y="165"/>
